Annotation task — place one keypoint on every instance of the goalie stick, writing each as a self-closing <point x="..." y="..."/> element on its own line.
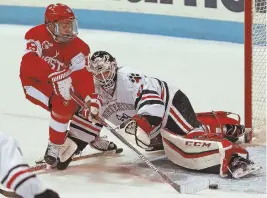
<point x="187" y="189"/>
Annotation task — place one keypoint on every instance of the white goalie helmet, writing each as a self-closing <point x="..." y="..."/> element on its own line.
<point x="104" y="68"/>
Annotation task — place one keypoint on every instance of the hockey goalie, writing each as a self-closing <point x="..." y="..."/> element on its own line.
<point x="157" y="116"/>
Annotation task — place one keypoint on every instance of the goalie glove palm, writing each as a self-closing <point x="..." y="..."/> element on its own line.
<point x="140" y="129"/>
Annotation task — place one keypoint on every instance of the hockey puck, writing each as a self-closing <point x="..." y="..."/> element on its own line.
<point x="213" y="186"/>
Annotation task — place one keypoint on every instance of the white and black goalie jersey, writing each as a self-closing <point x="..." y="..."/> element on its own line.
<point x="134" y="94"/>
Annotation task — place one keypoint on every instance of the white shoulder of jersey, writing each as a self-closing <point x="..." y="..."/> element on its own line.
<point x="78" y="62"/>
<point x="146" y="91"/>
<point x="131" y="78"/>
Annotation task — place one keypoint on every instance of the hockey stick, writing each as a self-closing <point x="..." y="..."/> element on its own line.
<point x="186" y="188"/>
<point x="176" y="186"/>
<point x="44" y="166"/>
<point x="9" y="193"/>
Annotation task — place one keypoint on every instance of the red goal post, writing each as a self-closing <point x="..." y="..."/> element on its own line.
<point x="255" y="65"/>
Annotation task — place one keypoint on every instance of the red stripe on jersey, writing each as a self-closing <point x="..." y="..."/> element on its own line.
<point x="162" y="93"/>
<point x="189" y="155"/>
<point x="151" y="97"/>
<point x="15" y="176"/>
<point x="86" y="125"/>
<point x="179" y="120"/>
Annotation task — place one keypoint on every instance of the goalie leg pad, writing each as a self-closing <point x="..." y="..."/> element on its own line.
<point x="67" y="150"/>
<point x="83" y="129"/>
<point x="190" y="153"/>
<point x="74" y="147"/>
<point x="200" y="153"/>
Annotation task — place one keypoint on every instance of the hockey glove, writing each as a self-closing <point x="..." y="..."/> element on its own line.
<point x="94" y="105"/>
<point x="140" y="129"/>
<point x="62" y="83"/>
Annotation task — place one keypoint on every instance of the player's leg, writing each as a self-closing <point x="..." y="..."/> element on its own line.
<point x="226" y="123"/>
<point x="61" y="113"/>
<point x="182" y="118"/>
<point x="207" y="152"/>
<point x="188" y="144"/>
<point x="84" y="132"/>
<point x="83" y="129"/>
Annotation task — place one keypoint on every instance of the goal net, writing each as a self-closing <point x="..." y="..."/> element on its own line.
<point x="255" y="67"/>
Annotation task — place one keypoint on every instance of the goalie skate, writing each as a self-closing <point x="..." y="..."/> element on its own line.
<point x="241" y="167"/>
<point x="102" y="144"/>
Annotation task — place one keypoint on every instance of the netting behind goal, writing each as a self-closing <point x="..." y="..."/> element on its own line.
<point x="255" y="66"/>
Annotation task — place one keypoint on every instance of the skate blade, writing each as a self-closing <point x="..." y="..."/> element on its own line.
<point x="240" y="173"/>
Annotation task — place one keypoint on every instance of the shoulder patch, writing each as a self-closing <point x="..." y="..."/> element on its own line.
<point x="134" y="78"/>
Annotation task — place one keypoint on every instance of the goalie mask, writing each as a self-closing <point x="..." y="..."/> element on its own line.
<point x="104" y="68"/>
<point x="61" y="22"/>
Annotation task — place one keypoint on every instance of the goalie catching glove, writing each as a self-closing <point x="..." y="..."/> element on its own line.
<point x="139" y="128"/>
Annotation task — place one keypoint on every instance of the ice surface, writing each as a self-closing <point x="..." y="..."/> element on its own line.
<point x="203" y="70"/>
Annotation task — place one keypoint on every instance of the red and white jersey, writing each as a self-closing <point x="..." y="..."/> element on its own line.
<point x="44" y="56"/>
<point x="136" y="94"/>
<point x="14" y="172"/>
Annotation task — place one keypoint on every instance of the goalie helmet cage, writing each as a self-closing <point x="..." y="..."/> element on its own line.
<point x="255" y="64"/>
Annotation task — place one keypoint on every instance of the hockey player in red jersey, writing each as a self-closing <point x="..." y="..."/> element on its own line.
<point x="15" y="173"/>
<point x="54" y="65"/>
<point x="156" y="114"/>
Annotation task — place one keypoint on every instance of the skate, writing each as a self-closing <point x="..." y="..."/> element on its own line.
<point x="102" y="144"/>
<point x="51" y="154"/>
<point x="240" y="167"/>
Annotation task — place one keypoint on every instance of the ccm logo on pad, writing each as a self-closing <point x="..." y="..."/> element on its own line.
<point x="198" y="144"/>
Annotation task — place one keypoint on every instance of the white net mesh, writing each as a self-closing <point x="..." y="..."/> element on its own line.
<point x="259" y="67"/>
